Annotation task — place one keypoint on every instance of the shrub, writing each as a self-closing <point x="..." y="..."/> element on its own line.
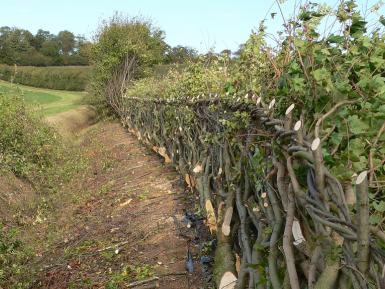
<point x="14" y="273"/>
<point x="54" y="77"/>
<point x="118" y="39"/>
<point x="28" y="147"/>
<point x="209" y="74"/>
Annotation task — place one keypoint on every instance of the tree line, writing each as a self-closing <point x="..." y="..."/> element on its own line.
<point x="21" y="47"/>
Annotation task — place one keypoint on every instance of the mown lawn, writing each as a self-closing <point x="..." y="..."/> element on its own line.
<point x="49" y="101"/>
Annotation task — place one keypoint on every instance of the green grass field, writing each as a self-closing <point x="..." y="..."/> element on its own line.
<point x="49" y="101"/>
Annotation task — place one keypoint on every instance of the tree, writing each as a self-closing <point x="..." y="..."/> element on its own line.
<point x="66" y="40"/>
<point x="40" y="37"/>
<point x="121" y="38"/>
<point x="51" y="48"/>
<point x="19" y="46"/>
<point x="180" y="54"/>
<point x="13" y="43"/>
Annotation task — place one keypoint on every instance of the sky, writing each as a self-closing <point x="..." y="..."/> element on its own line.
<point x="201" y="24"/>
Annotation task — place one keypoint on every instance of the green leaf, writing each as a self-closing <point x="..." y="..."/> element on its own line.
<point x="343" y="86"/>
<point x="356" y="125"/>
<point x="382" y="20"/>
<point x="335" y="39"/>
<point x="375" y="219"/>
<point x="298" y="84"/>
<point x="380" y="207"/>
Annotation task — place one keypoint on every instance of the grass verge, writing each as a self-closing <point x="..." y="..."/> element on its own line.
<point x="49" y="101"/>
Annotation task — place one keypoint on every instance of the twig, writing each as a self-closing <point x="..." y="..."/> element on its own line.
<point x="332" y="110"/>
<point x="371" y="165"/>
<point x="112" y="246"/>
<point x="142" y="282"/>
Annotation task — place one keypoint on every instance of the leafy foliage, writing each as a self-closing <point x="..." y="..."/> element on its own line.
<point x="180" y="54"/>
<point x="337" y="84"/>
<point x="313" y="71"/>
<point x="73" y="78"/>
<point x="206" y="75"/>
<point x="14" y="255"/>
<point x="26" y="145"/>
<point x="117" y="39"/>
<point x="21" y="47"/>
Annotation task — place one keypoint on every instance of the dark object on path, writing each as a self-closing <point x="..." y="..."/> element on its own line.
<point x="189" y="261"/>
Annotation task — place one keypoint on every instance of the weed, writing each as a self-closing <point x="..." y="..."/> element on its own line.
<point x="108" y="255"/>
<point x="143" y="272"/>
<point x="83" y="247"/>
<point x="144" y="195"/>
<point x="108" y="165"/>
<point x="130" y="272"/>
<point x="104" y="189"/>
<point x="14" y="272"/>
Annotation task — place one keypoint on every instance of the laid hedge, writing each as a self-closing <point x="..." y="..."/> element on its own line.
<point x="285" y="146"/>
<point x="53" y="77"/>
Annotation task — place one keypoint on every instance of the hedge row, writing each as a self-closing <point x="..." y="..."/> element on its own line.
<point x="285" y="146"/>
<point x="53" y="77"/>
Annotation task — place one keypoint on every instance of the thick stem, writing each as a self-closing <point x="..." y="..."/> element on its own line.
<point x="363" y="221"/>
<point x="287" y="243"/>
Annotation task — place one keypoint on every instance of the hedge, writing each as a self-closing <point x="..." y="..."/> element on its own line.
<point x="53" y="77"/>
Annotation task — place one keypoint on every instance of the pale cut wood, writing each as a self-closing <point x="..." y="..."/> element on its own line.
<point x="361" y="177"/>
<point x="315" y="144"/>
<point x="297" y="233"/>
<point x="125" y="203"/>
<point x="228" y="281"/>
<point x="187" y="180"/>
<point x="289" y="109"/>
<point x="163" y="152"/>
<point x="237" y="263"/>
<point x="272" y="103"/>
<point x="211" y="219"/>
<point x="227" y="220"/>
<point x="198" y="168"/>
<point x="190" y="181"/>
<point x="155" y="149"/>
<point x="220" y="171"/>
<point x="297" y="125"/>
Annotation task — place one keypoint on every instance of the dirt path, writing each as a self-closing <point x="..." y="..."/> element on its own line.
<point x="124" y="222"/>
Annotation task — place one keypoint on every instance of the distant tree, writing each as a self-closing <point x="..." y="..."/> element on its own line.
<point x="51" y="48"/>
<point x="66" y="40"/>
<point x="19" y="46"/>
<point x="13" y="43"/>
<point x="40" y="37"/>
<point x="4" y="48"/>
<point x="226" y="52"/>
<point x="180" y="54"/>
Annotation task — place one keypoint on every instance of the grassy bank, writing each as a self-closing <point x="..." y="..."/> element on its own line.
<point x="35" y="164"/>
<point x="52" y="77"/>
<point x="49" y="101"/>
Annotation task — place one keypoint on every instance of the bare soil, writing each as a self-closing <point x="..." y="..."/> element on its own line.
<point x="121" y="221"/>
